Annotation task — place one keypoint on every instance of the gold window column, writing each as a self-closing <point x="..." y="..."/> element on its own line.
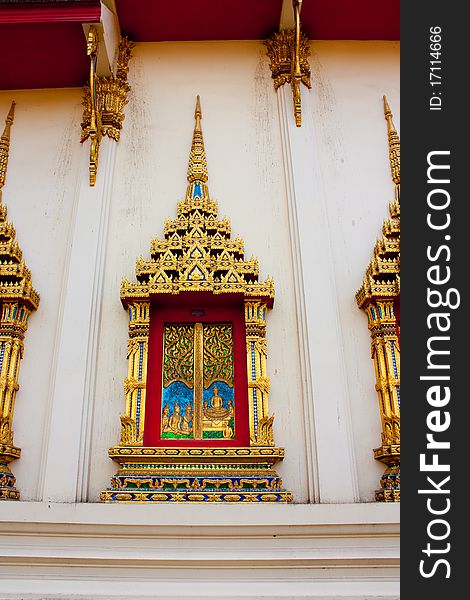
<point x="17" y="299"/>
<point x="132" y="422"/>
<point x="377" y="297"/>
<point x="261" y="425"/>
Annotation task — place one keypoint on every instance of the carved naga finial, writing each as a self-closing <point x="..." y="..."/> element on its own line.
<point x="5" y="146"/>
<point x="393" y="143"/>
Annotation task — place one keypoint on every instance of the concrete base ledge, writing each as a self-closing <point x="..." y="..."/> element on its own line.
<point x="196" y="551"/>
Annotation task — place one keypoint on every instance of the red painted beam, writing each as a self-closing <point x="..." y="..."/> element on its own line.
<point x="51" y="12"/>
<point x="183" y="20"/>
<point x="43" y="55"/>
<point x="346" y="20"/>
<point x="167" y="20"/>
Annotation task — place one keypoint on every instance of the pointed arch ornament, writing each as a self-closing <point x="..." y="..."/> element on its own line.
<point x="379" y="298"/>
<point x="196" y="426"/>
<point x="18" y="299"/>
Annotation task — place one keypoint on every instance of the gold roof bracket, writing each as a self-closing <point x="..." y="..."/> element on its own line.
<point x="104" y="99"/>
<point x="288" y="51"/>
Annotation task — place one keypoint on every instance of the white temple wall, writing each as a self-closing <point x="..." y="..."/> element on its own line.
<point x="348" y="172"/>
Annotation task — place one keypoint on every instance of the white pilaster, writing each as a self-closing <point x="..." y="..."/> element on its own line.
<point x="66" y="443"/>
<point x="332" y="475"/>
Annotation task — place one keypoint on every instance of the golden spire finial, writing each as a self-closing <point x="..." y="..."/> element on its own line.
<point x="197" y="168"/>
<point x="198" y="114"/>
<point x="5" y="146"/>
<point x="393" y="144"/>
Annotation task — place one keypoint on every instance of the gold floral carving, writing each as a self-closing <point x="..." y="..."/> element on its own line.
<point x="197" y="254"/>
<point x="178" y="355"/>
<point x="18" y="299"/>
<point x="104" y="100"/>
<point x="288" y="52"/>
<point x="378" y="298"/>
<point x="218" y="354"/>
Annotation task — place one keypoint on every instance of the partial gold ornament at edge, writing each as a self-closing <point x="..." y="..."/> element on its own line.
<point x="377" y="298"/>
<point x="18" y="299"/>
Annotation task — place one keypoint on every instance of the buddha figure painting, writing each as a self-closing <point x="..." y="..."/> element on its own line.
<point x="198" y="393"/>
<point x="218" y="414"/>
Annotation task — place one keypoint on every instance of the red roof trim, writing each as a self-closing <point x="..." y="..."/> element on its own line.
<point x="83" y="12"/>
